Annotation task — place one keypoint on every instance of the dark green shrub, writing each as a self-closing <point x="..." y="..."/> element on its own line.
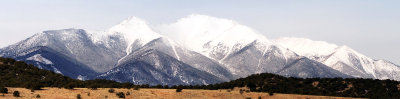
<point x="93" y="88"/>
<point x="78" y="96"/>
<point x="34" y="86"/>
<point x="159" y="86"/>
<point x="111" y="90"/>
<point x="120" y="95"/>
<point x="165" y="86"/>
<point x="37" y="96"/>
<point x="271" y="93"/>
<point x="3" y="90"/>
<point x="241" y="91"/>
<point x="16" y="94"/>
<point x="136" y="88"/>
<point x="127" y="85"/>
<point x="69" y="86"/>
<point x="179" y="89"/>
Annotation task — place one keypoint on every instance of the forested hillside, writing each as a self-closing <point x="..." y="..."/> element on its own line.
<point x="19" y="74"/>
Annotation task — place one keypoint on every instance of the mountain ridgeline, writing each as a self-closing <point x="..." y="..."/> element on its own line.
<point x="19" y="74"/>
<point x="195" y="50"/>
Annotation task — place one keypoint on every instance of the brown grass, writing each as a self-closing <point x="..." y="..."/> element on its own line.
<point x="102" y="93"/>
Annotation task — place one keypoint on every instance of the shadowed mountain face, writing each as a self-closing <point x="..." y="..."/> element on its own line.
<point x="155" y="67"/>
<point x="342" y="58"/>
<point x="72" y="43"/>
<point x="276" y="60"/>
<point x="189" y="51"/>
<point x="157" y="63"/>
<point x="46" y="58"/>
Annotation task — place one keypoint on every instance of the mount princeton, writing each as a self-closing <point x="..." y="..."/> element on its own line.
<point x="197" y="49"/>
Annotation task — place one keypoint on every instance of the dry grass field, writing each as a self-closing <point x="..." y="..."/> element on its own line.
<point x="102" y="93"/>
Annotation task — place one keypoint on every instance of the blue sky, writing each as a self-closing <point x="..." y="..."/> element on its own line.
<point x="368" y="26"/>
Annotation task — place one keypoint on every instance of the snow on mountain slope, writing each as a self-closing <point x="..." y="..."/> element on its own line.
<point x="49" y="59"/>
<point x="39" y="58"/>
<point x="74" y="43"/>
<point x="197" y="49"/>
<point x="99" y="51"/>
<point x="342" y="58"/>
<point x="307" y="68"/>
<point x="135" y="31"/>
<point x="307" y="47"/>
<point x="278" y="60"/>
<point x="110" y="47"/>
<point x="196" y="60"/>
<point x="210" y="36"/>
<point x="154" y="67"/>
<point x="240" y="49"/>
<point x="134" y="35"/>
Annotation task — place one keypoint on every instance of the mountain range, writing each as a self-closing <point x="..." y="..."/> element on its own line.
<point x="194" y="50"/>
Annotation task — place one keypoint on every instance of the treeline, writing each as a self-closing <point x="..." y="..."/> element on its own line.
<point x="349" y="87"/>
<point x="19" y="74"/>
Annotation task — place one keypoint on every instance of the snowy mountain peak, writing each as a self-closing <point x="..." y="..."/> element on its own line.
<point x="341" y="58"/>
<point x="306" y="47"/>
<point x="196" y="31"/>
<point x="134" y="29"/>
<point x="47" y="38"/>
<point x="345" y="50"/>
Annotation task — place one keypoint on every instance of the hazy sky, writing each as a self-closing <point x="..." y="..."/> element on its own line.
<point x="371" y="27"/>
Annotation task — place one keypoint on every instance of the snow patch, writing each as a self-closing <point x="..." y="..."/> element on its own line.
<point x="195" y="31"/>
<point x="134" y="29"/>
<point x="39" y="58"/>
<point x="306" y="47"/>
<point x="80" y="77"/>
<point x="56" y="70"/>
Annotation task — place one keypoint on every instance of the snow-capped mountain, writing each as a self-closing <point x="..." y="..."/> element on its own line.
<point x="197" y="49"/>
<point x="147" y="39"/>
<point x="153" y="66"/>
<point x="342" y="58"/>
<point x="212" y="37"/>
<point x="240" y="49"/>
<point x="115" y="48"/>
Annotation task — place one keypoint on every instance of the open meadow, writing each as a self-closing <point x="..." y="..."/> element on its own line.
<point x="148" y="93"/>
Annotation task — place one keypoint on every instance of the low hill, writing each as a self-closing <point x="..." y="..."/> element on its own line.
<point x="19" y="74"/>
